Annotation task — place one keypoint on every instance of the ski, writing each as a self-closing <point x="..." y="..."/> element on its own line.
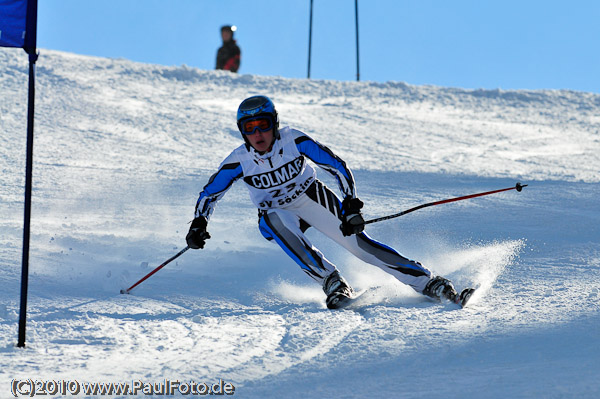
<point x="343" y="302"/>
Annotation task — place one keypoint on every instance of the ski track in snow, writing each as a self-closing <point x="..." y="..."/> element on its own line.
<point x="122" y="150"/>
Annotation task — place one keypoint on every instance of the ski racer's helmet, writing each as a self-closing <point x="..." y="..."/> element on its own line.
<point x="254" y="107"/>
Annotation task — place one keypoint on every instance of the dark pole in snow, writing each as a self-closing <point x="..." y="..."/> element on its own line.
<point x="357" y="57"/>
<point x="310" y="37"/>
<point x="30" y="48"/>
<point x="27" y="213"/>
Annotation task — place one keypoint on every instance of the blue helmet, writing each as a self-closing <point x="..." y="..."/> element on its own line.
<point x="258" y="106"/>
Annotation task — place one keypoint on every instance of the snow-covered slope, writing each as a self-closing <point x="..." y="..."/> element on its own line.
<point x="122" y="150"/>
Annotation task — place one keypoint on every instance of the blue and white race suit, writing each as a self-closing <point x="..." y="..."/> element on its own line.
<point x="290" y="199"/>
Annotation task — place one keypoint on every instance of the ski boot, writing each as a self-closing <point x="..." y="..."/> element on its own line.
<point x="337" y="290"/>
<point x="440" y="288"/>
<point x="464" y="297"/>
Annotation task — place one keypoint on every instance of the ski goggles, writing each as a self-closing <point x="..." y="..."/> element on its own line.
<point x="262" y="123"/>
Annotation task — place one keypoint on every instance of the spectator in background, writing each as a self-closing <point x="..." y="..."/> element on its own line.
<point x="228" y="56"/>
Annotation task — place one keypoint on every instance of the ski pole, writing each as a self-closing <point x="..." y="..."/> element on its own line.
<point x="155" y="270"/>
<point x="517" y="187"/>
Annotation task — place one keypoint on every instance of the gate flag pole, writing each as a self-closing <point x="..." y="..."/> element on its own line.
<point x="18" y="28"/>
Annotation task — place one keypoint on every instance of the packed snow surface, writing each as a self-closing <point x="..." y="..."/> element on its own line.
<point x="122" y="150"/>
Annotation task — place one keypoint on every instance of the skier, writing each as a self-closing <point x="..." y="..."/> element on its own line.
<point x="290" y="199"/>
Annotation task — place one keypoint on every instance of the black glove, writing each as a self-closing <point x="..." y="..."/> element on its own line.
<point x="197" y="235"/>
<point x="352" y="220"/>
